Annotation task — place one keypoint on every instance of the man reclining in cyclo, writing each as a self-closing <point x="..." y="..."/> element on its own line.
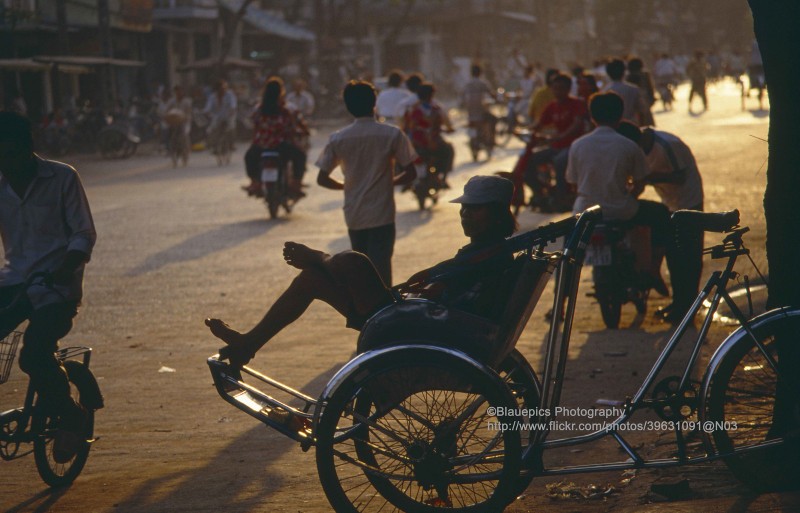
<point x="349" y="282"/>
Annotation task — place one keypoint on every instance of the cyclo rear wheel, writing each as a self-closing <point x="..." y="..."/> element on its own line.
<point x="53" y="473"/>
<point x="411" y="431"/>
<point x="742" y="405"/>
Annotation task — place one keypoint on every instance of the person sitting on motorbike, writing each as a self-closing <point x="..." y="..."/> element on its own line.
<point x="349" y="282"/>
<point x="275" y="127"/>
<point x="567" y="115"/>
<point x="423" y="124"/>
<point x="609" y="170"/>
<point x="221" y="108"/>
<point x="477" y="92"/>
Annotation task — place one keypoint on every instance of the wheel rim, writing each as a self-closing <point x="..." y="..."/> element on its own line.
<point x="416" y="451"/>
<point x="743" y="392"/>
<point x="52" y="472"/>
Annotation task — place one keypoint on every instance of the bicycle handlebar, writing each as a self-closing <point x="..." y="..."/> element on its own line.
<point x="46" y="280"/>
<point x="719" y="222"/>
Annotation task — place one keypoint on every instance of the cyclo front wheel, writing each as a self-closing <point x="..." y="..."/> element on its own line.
<point x="53" y="473"/>
<point x="749" y="404"/>
<point x="414" y="430"/>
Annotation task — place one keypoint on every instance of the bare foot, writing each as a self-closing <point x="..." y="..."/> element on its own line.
<point x="239" y="349"/>
<point x="222" y="331"/>
<point x="301" y="256"/>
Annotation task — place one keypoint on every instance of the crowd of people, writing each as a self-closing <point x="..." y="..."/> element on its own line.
<point x="601" y="143"/>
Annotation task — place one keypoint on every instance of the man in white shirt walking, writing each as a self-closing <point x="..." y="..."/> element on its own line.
<point x="367" y="152"/>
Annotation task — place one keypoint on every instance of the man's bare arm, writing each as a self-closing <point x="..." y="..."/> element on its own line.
<point x="406" y="175"/>
<point x="324" y="180"/>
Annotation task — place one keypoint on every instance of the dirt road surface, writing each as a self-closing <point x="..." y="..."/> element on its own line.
<point x="177" y="245"/>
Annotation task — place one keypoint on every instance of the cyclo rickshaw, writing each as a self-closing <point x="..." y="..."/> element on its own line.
<point x="437" y="409"/>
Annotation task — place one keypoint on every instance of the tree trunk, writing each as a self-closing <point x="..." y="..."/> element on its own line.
<point x="230" y="23"/>
<point x="775" y="25"/>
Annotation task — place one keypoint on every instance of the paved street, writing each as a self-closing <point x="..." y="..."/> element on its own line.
<point x="178" y="245"/>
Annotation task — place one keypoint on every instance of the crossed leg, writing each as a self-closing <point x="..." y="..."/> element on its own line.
<point x="347" y="281"/>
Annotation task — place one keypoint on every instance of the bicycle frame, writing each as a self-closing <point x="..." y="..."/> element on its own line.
<point x="555" y="366"/>
<point x="22" y="432"/>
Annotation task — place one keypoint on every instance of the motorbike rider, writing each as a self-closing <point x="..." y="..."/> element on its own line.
<point x="567" y="115"/>
<point x="275" y="127"/>
<point x="423" y="124"/>
<point x="475" y="96"/>
<point x="221" y="108"/>
<point x="609" y="170"/>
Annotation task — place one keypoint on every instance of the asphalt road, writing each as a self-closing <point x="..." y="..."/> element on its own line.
<point x="177" y="245"/>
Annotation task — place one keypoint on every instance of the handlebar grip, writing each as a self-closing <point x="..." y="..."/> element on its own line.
<point x="719" y="222"/>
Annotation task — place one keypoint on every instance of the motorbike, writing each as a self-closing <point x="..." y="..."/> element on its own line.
<point x="428" y="184"/>
<point x="613" y="252"/>
<point x="482" y="137"/>
<point x="542" y="180"/>
<point x="275" y="183"/>
<point x="118" y="139"/>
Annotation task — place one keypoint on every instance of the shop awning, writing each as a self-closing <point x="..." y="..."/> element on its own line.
<point x="211" y="63"/>
<point x="268" y="23"/>
<point x="86" y="60"/>
<point x="32" y="65"/>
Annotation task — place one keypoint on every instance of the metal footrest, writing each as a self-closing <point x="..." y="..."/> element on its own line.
<point x="288" y="420"/>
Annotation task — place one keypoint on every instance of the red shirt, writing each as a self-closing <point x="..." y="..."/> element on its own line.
<point x="272" y="130"/>
<point x="562" y="115"/>
<point x="423" y="125"/>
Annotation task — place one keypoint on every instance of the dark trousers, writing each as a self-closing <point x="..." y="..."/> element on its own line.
<point x="685" y="263"/>
<point x="698" y="89"/>
<point x="656" y="216"/>
<point x="46" y="326"/>
<point x="288" y="152"/>
<point x="378" y="244"/>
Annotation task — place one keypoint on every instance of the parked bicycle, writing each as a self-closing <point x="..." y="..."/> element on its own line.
<point x="31" y="424"/>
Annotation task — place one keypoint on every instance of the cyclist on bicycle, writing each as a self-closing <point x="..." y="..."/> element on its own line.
<point x="46" y="226"/>
<point x="349" y="282"/>
<point x="275" y="127"/>
<point x="178" y="115"/>
<point x="221" y="109"/>
<point x="475" y="97"/>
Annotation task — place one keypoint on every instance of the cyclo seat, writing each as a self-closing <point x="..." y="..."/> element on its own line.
<point x="423" y="321"/>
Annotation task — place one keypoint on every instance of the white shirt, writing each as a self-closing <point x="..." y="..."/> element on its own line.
<point x="302" y="102"/>
<point x="665" y="68"/>
<point x="600" y="163"/>
<point x="37" y="230"/>
<point x="675" y="196"/>
<point x="367" y="150"/>
<point x="391" y="102"/>
<point x="222" y="111"/>
<point x="633" y="103"/>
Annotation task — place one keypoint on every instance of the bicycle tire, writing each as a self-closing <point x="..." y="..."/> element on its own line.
<point x="53" y="473"/>
<point x="502" y="133"/>
<point x="387" y="441"/>
<point x="272" y="198"/>
<point x="743" y="390"/>
<point x="521" y="380"/>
